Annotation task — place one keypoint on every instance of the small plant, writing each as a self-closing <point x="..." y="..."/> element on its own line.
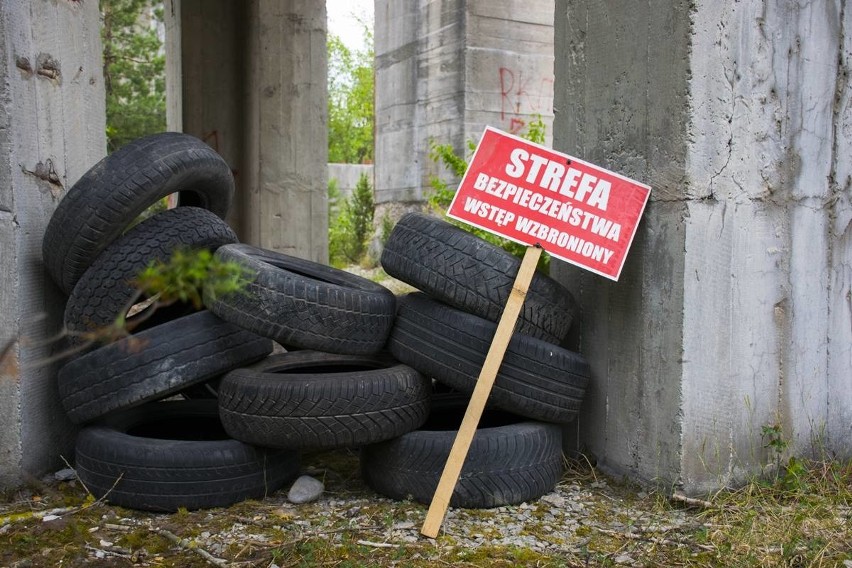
<point x="774" y="437"/>
<point x="442" y="194"/>
<point x="795" y="470"/>
<point x="189" y="274"/>
<point x="185" y="276"/>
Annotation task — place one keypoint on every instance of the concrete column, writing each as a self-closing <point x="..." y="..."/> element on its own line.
<point x="52" y="129"/>
<point x="174" y="66"/>
<point x="286" y="208"/>
<point x="206" y="80"/>
<point x="254" y="87"/>
<point x="733" y="312"/>
<point x="447" y="68"/>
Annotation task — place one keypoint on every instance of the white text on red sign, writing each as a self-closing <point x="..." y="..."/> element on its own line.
<point x="528" y="193"/>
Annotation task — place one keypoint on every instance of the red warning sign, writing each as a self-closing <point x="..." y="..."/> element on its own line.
<point x="528" y="193"/>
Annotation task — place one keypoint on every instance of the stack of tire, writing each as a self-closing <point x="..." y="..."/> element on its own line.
<point x="139" y="450"/>
<point x="444" y="331"/>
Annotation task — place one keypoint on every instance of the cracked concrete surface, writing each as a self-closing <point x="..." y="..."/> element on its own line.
<point x="733" y="313"/>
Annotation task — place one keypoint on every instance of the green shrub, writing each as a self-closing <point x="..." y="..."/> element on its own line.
<point x="351" y="225"/>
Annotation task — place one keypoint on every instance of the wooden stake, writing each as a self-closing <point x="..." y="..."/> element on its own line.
<point x="461" y="445"/>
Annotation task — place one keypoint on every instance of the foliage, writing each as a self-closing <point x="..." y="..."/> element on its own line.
<point x="386" y="225"/>
<point x="186" y="276"/>
<point x="774" y="437"/>
<point x="442" y="194"/>
<point x="350" y="101"/>
<point x="334" y="197"/>
<point x="351" y="228"/>
<point x="791" y="475"/>
<point x="361" y="208"/>
<point x="336" y="228"/>
<point x="189" y="274"/>
<point x="134" y="69"/>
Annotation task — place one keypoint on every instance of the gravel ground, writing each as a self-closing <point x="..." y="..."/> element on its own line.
<point x="348" y="526"/>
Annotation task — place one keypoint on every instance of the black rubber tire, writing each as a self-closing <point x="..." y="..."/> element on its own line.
<point x="509" y="461"/>
<point x="166" y="455"/>
<point x="464" y="271"/>
<point x="536" y="379"/>
<point x="116" y="190"/>
<point x="307" y="305"/>
<point x="154" y="364"/>
<point x="308" y="400"/>
<point x="104" y="290"/>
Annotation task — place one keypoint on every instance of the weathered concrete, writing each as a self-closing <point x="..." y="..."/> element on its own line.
<point x="254" y="88"/>
<point x="348" y="175"/>
<point x="174" y="65"/>
<point x="447" y="68"/>
<point x="733" y="312"/>
<point x="52" y="129"/>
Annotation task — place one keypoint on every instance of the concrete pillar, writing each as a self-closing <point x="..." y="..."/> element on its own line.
<point x="254" y="87"/>
<point x="174" y="65"/>
<point x="733" y="311"/>
<point x="447" y="68"/>
<point x="52" y="129"/>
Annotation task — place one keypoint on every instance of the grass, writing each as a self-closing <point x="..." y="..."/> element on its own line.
<point x="588" y="521"/>
<point x="808" y="523"/>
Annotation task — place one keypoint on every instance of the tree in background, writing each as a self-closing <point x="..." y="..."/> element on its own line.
<point x="350" y="101"/>
<point x="351" y="227"/>
<point x="134" y="69"/>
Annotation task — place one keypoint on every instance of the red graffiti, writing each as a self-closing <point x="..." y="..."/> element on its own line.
<point x="516" y="125"/>
<point x="521" y="94"/>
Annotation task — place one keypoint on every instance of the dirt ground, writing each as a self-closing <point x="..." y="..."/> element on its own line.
<point x="587" y="520"/>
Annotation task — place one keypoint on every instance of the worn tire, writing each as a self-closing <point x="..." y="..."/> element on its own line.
<point x="307" y="305"/>
<point x="154" y="364"/>
<point x="106" y="288"/>
<point x="536" y="379"/>
<point x="509" y="461"/>
<point x="464" y="271"/>
<point x="164" y="456"/>
<point x="308" y="400"/>
<point x="116" y="190"/>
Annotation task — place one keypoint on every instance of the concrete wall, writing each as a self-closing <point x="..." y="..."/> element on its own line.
<point x="734" y="308"/>
<point x="253" y="86"/>
<point x="447" y="68"/>
<point x="347" y="176"/>
<point x="52" y="129"/>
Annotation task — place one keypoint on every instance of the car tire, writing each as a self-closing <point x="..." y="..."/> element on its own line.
<point x="308" y="400"/>
<point x="164" y="456"/>
<point x="510" y="460"/>
<point x="106" y="288"/>
<point x="154" y="364"/>
<point x="116" y="190"/>
<point x="460" y="269"/>
<point x="536" y="379"/>
<point x="306" y="305"/>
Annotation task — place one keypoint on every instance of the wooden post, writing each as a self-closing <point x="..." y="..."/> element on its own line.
<point x="461" y="445"/>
